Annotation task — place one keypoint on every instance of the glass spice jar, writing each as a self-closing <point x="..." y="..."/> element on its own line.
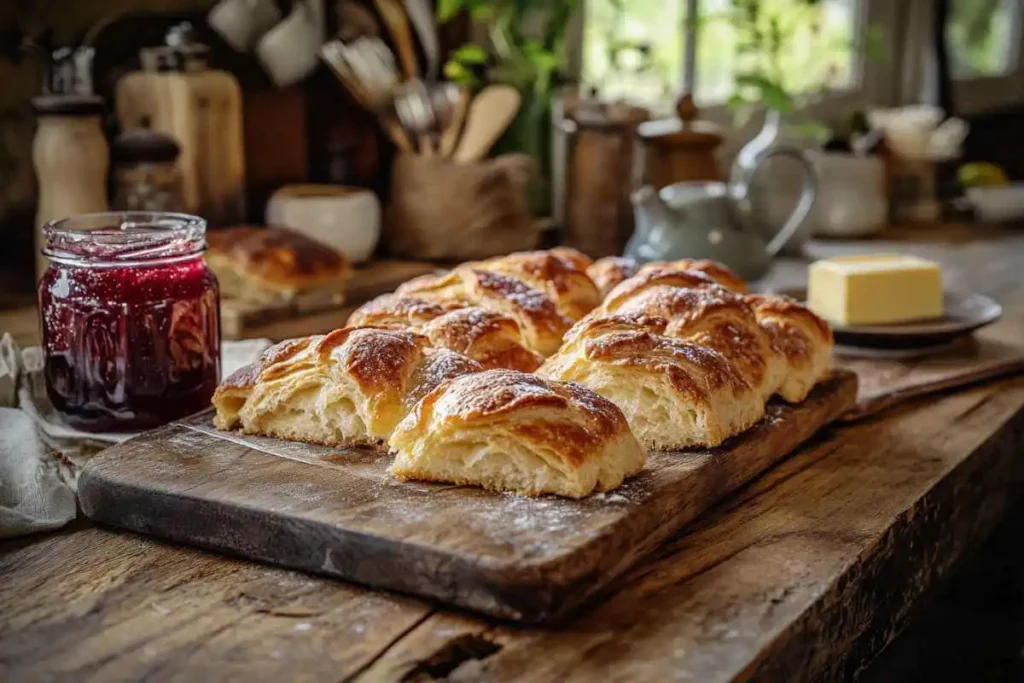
<point x="130" y="319"/>
<point x="146" y="172"/>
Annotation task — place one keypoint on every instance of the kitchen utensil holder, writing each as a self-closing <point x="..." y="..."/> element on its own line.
<point x="442" y="210"/>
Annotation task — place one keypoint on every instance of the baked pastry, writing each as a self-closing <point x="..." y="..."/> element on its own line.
<point x="511" y="431"/>
<point x="557" y="273"/>
<point x="713" y="269"/>
<point x="492" y="339"/>
<point x="540" y="321"/>
<point x="272" y="265"/>
<point x="609" y="271"/>
<point x="718" y="319"/>
<point x="647" y="349"/>
<point x="349" y="387"/>
<point x="675" y="394"/>
<point x="800" y="337"/>
<point x="654" y="276"/>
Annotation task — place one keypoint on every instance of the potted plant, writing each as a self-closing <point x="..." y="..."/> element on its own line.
<point x="525" y="48"/>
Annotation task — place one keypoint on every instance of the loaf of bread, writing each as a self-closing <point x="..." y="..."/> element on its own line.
<point x="273" y="265"/>
<point x="511" y="431"/>
<point x="492" y="339"/>
<point x="349" y="387"/>
<point x="690" y="362"/>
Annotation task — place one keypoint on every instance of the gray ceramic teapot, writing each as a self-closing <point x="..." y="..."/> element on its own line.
<point x="711" y="220"/>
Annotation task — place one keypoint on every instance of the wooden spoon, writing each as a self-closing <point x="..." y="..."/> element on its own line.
<point x="392" y="12"/>
<point x="489" y="115"/>
<point x="452" y="131"/>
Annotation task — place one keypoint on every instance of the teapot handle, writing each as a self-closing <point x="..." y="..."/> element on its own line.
<point x="808" y="194"/>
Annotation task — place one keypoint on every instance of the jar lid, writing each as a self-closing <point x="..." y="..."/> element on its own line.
<point x="607" y="115"/>
<point x="144" y="145"/>
<point x="685" y="129"/>
<point x="67" y="105"/>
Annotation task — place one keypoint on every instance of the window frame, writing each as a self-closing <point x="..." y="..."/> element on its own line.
<point x="978" y="93"/>
<point x="902" y="78"/>
<point x="873" y="81"/>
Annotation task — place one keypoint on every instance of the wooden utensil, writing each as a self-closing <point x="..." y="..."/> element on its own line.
<point x="422" y="17"/>
<point x="453" y="131"/>
<point x="489" y="115"/>
<point x="393" y="14"/>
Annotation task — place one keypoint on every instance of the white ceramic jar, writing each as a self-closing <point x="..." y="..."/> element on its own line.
<point x="345" y="218"/>
<point x="852" y="199"/>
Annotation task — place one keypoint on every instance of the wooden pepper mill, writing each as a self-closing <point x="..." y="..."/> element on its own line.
<point x="70" y="156"/>
<point x="680" y="149"/>
<point x="598" y="212"/>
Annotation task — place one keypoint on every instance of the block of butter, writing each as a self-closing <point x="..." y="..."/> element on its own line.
<point x="875" y="289"/>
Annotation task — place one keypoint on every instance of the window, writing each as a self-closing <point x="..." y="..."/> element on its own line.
<point x="632" y="49"/>
<point x="984" y="45"/>
<point x="637" y="49"/>
<point x="816" y="45"/>
<point x="982" y="37"/>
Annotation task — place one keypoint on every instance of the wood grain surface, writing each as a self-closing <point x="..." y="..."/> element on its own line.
<point x="336" y="512"/>
<point x="805" y="574"/>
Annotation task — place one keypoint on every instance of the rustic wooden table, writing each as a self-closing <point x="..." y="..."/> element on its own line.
<point x="805" y="574"/>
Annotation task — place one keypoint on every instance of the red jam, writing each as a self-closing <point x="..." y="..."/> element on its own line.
<point x="130" y="319"/>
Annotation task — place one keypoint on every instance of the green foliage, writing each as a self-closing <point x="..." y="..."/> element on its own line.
<point x="765" y="31"/>
<point x="531" y="60"/>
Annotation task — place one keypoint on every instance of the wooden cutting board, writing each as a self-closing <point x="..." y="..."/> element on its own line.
<point x="317" y="312"/>
<point x="336" y="512"/>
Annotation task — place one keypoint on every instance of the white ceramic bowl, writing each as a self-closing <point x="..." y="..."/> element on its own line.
<point x="344" y="218"/>
<point x="998" y="204"/>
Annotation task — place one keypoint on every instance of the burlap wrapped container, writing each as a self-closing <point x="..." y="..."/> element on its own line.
<point x="441" y="210"/>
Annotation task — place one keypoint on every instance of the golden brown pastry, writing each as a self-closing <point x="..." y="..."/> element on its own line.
<point x="557" y="273"/>
<point x="640" y="349"/>
<point x="269" y="265"/>
<point x="349" y="387"/>
<point x="491" y="339"/>
<point x="800" y="337"/>
<point x="654" y="276"/>
<point x="674" y="394"/>
<point x="539" y="319"/>
<point x="718" y="319"/>
<point x="510" y="431"/>
<point x="574" y="256"/>
<point x="609" y="271"/>
<point x="713" y="269"/>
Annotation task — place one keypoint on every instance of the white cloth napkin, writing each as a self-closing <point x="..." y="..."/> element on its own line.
<point x="40" y="455"/>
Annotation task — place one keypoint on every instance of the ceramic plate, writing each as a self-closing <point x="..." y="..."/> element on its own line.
<point x="964" y="313"/>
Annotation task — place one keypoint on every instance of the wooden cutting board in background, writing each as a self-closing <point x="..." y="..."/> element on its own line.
<point x="336" y="512"/>
<point x="244" y="320"/>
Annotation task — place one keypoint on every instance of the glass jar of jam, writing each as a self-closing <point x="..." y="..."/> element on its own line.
<point x="130" y="319"/>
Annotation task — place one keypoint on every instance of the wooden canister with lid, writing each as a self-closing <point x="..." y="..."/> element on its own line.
<point x="680" y="149"/>
<point x="598" y="212"/>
